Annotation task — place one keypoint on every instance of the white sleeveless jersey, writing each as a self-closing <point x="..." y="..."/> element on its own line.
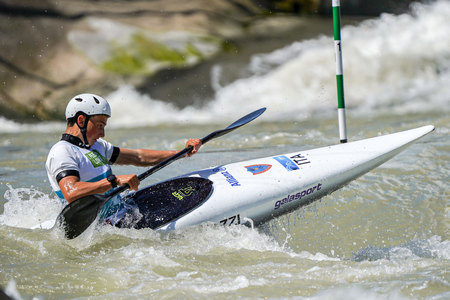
<point x="92" y="164"/>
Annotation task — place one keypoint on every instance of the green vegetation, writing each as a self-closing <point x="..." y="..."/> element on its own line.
<point x="141" y="53"/>
<point x="296" y="6"/>
<point x="229" y="46"/>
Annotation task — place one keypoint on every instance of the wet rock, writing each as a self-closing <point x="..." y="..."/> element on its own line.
<point x="53" y="50"/>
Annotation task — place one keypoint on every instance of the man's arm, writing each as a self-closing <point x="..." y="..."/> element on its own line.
<point x="72" y="188"/>
<point x="142" y="157"/>
<point x="145" y="157"/>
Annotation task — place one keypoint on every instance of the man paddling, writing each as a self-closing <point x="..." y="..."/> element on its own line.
<point x="79" y="164"/>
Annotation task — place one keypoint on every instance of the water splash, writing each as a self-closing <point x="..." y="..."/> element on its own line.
<point x="28" y="207"/>
<point x="433" y="247"/>
<point x="396" y="63"/>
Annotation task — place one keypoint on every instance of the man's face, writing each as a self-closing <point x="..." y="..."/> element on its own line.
<point x="96" y="128"/>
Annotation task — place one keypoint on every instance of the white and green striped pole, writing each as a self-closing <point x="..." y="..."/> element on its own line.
<point x="339" y="70"/>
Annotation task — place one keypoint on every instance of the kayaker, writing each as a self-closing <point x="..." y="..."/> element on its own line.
<point x="80" y="163"/>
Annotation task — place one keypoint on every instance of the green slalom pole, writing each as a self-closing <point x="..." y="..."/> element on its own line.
<point x="339" y="69"/>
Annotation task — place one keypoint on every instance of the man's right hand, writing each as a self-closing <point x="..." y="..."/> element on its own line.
<point x="132" y="181"/>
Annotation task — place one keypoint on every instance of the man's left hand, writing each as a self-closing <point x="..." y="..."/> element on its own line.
<point x="195" y="143"/>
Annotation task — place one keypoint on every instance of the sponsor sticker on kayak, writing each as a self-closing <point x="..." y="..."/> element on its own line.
<point x="183" y="192"/>
<point x="299" y="159"/>
<point x="230" y="178"/>
<point x="258" y="169"/>
<point x="286" y="163"/>
<point x="298" y="196"/>
<point x="292" y="163"/>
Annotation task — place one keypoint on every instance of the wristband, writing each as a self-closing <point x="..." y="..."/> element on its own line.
<point x="113" y="180"/>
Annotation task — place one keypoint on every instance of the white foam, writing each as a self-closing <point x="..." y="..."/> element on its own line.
<point x="132" y="109"/>
<point x="399" y="63"/>
<point x="9" y="126"/>
<point x="433" y="247"/>
<point x="11" y="290"/>
<point x="139" y="257"/>
<point x="357" y="292"/>
<point x="207" y="238"/>
<point x="223" y="285"/>
<point x="28" y="207"/>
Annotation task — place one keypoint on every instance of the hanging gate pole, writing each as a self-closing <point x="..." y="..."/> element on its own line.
<point x="339" y="70"/>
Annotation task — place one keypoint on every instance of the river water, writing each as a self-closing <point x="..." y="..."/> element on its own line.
<point x="383" y="236"/>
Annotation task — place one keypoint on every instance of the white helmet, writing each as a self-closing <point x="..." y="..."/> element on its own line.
<point x="89" y="104"/>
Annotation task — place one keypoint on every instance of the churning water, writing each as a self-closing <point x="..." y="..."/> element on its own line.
<point x="383" y="236"/>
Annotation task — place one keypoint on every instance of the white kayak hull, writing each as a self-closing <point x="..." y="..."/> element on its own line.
<point x="259" y="190"/>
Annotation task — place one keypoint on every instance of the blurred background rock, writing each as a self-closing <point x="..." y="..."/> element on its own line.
<point x="52" y="50"/>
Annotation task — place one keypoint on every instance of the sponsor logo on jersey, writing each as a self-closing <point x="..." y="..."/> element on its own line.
<point x="96" y="158"/>
<point x="258" y="169"/>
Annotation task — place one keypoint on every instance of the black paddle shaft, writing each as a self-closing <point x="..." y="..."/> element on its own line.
<point x="218" y="133"/>
<point x="79" y="214"/>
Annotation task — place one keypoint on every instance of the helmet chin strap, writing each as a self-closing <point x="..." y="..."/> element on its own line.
<point x="83" y="130"/>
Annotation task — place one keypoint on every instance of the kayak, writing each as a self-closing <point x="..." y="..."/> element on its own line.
<point x="255" y="191"/>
